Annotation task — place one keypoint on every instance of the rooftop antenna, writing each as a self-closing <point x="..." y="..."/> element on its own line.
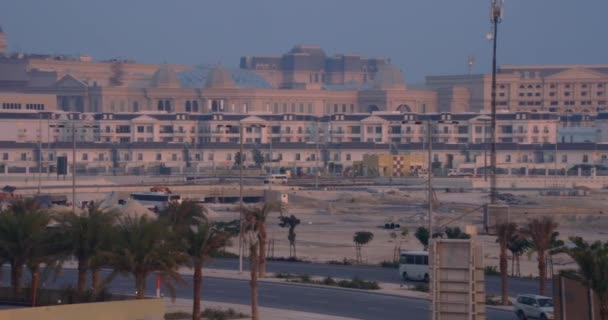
<point x="471" y="63"/>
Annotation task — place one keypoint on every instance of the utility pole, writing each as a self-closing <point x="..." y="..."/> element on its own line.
<point x="73" y="164"/>
<point x="496" y="18"/>
<point x="241" y="160"/>
<point x="317" y="156"/>
<point x="39" y="151"/>
<point x="429" y="176"/>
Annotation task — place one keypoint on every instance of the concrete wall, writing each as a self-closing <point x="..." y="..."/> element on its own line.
<point x="147" y="309"/>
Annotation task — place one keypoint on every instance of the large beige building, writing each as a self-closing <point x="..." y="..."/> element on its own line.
<point x="562" y="89"/>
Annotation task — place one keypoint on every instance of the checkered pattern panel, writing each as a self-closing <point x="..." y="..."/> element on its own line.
<point x="398" y="166"/>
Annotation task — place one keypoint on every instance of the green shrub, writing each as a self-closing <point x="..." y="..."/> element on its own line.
<point x="305" y="278"/>
<point x="389" y="264"/>
<point x="421" y="287"/>
<point x="283" y="275"/>
<point x="329" y="281"/>
<point x="219" y="314"/>
<point x="491" y="271"/>
<point x="179" y="315"/>
<point x="358" y="283"/>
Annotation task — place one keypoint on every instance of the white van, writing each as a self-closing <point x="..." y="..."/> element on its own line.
<point x="414" y="265"/>
<point x="276" y="179"/>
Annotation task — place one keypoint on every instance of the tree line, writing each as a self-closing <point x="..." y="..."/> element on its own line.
<point x="35" y="240"/>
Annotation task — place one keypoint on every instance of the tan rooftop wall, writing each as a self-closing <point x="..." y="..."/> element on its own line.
<point x="147" y="309"/>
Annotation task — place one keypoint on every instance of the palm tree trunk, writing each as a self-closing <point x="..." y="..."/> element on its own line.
<point x="512" y="264"/>
<point x="253" y="265"/>
<point x="82" y="276"/>
<point x="262" y="250"/>
<point x="518" y="267"/>
<point x="96" y="281"/>
<point x="542" y="271"/>
<point x="196" y="295"/>
<point x="504" y="275"/>
<point x="35" y="282"/>
<point x="16" y="276"/>
<point x="140" y="285"/>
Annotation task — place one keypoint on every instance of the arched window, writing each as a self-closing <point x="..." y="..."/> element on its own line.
<point x="135" y="106"/>
<point x="372" y="108"/>
<point x="188" y="106"/>
<point x="168" y="107"/>
<point x="194" y="106"/>
<point x="404" y="108"/>
<point x="161" y="105"/>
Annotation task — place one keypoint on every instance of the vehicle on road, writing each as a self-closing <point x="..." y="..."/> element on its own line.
<point x="155" y="200"/>
<point x="530" y="306"/>
<point x="276" y="178"/>
<point x="414" y="265"/>
<point x="458" y="173"/>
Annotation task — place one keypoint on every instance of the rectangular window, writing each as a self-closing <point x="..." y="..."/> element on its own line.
<point x="85" y="157"/>
<point x="159" y="157"/>
<point x="585" y="158"/>
<point x="5" y="156"/>
<point x="140" y="129"/>
<point x="140" y="157"/>
<point x="310" y="108"/>
<point x="297" y="158"/>
<point x="276" y="108"/>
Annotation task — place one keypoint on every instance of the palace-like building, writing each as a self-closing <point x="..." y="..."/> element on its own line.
<point x="303" y="109"/>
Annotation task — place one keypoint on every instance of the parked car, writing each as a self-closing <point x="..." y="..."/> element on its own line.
<point x="457" y="173"/>
<point x="530" y="306"/>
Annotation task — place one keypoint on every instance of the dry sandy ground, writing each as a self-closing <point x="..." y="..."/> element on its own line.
<point x="331" y="217"/>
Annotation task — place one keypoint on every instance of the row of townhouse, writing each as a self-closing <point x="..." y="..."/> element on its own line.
<point x="150" y="157"/>
<point x="375" y="127"/>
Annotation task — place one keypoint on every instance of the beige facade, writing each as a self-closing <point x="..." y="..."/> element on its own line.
<point x="149" y="309"/>
<point x="562" y="89"/>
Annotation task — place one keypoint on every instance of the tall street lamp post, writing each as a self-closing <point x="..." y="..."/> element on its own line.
<point x="496" y="18"/>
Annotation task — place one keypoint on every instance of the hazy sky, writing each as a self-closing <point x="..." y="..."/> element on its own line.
<point x="423" y="37"/>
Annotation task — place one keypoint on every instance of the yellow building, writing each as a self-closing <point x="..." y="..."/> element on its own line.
<point x="392" y="165"/>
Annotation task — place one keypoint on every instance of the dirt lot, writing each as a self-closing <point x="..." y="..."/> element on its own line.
<point x="331" y="217"/>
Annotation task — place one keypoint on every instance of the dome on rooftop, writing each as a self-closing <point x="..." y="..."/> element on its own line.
<point x="389" y="76"/>
<point x="220" y="78"/>
<point x="165" y="77"/>
<point x="214" y="76"/>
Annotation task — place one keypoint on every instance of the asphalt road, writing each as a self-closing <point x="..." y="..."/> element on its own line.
<point x="329" y="301"/>
<point x="516" y="285"/>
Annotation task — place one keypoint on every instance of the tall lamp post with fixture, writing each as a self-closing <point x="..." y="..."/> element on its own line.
<point x="495" y="17"/>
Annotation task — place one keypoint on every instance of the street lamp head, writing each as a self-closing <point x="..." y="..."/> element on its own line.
<point x="496" y="11"/>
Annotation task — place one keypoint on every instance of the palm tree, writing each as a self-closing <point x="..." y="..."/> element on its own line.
<point x="290" y="222"/>
<point x="540" y="232"/>
<point x="251" y="228"/>
<point x="261" y="216"/>
<point x="456" y="233"/>
<point x="398" y="238"/>
<point x="592" y="260"/>
<point x="22" y="232"/>
<point x="360" y="239"/>
<point x="518" y="245"/>
<point x="180" y="216"/>
<point x="89" y="235"/>
<point x="202" y="241"/>
<point x="504" y="234"/>
<point x="143" y="247"/>
<point x="422" y="234"/>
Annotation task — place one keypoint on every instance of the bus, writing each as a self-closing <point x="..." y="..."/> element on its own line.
<point x="414" y="265"/>
<point x="276" y="178"/>
<point x="155" y="200"/>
